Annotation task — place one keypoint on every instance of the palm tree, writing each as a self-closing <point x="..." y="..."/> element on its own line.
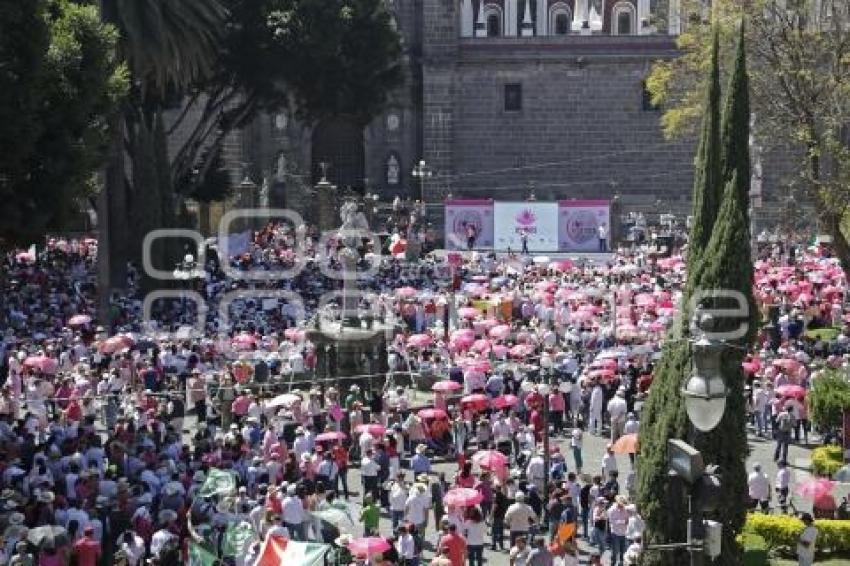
<point x="168" y="44"/>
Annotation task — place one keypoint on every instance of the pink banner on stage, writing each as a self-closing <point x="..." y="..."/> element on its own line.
<point x="584" y="225"/>
<point x="466" y="213"/>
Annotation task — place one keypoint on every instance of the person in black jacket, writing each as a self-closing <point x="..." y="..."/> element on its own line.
<point x="500" y="507"/>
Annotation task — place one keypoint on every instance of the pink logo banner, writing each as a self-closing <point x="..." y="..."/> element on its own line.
<point x="469" y="218"/>
<point x="582" y="224"/>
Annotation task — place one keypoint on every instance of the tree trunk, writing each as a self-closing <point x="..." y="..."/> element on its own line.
<point x="829" y="219"/>
<point x="111" y="221"/>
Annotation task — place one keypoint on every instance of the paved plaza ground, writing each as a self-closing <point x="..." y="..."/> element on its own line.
<point x="594" y="448"/>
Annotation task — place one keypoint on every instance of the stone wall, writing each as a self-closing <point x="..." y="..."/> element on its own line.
<point x="583" y="130"/>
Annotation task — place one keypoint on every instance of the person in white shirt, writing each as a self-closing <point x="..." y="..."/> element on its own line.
<point x="758" y="486"/>
<point x="618" y="521"/>
<point x="159" y="540"/>
<point x="369" y="469"/>
<point x="597" y="398"/>
<point x="636" y="525"/>
<point x="609" y="462"/>
<point x="782" y="485"/>
<point x="133" y="547"/>
<point x="293" y="513"/>
<point x="398" y="499"/>
<point x="519" y="517"/>
<point x="406" y="546"/>
<point x="475" y="530"/>
<point x="760" y="407"/>
<point x="806" y="542"/>
<point x="416" y="507"/>
<point x="617" y="409"/>
<point x="536" y="470"/>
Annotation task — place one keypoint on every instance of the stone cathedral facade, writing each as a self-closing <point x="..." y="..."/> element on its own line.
<point x="502" y="97"/>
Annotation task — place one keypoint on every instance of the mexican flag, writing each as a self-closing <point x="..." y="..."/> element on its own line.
<point x="237" y="538"/>
<point x="218" y="482"/>
<point x="200" y="556"/>
<point x="278" y="550"/>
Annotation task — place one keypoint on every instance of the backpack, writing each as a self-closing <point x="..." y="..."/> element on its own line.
<point x="786" y="422"/>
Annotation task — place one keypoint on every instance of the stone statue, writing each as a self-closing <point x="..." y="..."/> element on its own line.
<point x="392" y="170"/>
<point x="354" y="224"/>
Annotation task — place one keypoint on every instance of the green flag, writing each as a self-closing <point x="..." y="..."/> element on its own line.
<point x="200" y="556"/>
<point x="218" y="482"/>
<point x="237" y="538"/>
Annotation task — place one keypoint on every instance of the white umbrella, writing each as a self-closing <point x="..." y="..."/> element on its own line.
<point x="542" y="260"/>
<point x="285" y="400"/>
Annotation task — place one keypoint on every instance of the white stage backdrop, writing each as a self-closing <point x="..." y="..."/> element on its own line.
<point x="538" y="219"/>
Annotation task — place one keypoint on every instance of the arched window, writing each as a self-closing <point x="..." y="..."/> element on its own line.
<point x="493" y="18"/>
<point x="559" y="19"/>
<point x="623" y="19"/>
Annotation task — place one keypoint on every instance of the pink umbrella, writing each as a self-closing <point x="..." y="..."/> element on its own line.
<point x="607" y="363"/>
<point x="814" y="488"/>
<point x="791" y="391"/>
<point x="481" y="346"/>
<point x="468" y="312"/>
<point x="420" y="340"/>
<point x="293" y="334"/>
<point x="749" y="367"/>
<point x="503" y="401"/>
<point x="521" y="351"/>
<point x="333" y="435"/>
<point x="115" y="344"/>
<point x="602" y="374"/>
<point x="655" y="326"/>
<point x="547" y="286"/>
<point x="500" y="351"/>
<point x="644" y="300"/>
<point x="500" y="332"/>
<point x="368" y="546"/>
<point x="405" y="292"/>
<point x="42" y="363"/>
<point x="476" y="401"/>
<point x="79" y="320"/>
<point x="490" y="459"/>
<point x="244" y="341"/>
<point x="372" y="428"/>
<point x="463" y="497"/>
<point x="446" y="386"/>
<point x="562" y="265"/>
<point x="432" y="414"/>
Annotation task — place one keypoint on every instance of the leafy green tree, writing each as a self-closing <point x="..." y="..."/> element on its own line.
<point x="829" y="398"/>
<point x="76" y="84"/>
<point x="320" y="58"/>
<point x="24" y="39"/>
<point x="800" y="80"/>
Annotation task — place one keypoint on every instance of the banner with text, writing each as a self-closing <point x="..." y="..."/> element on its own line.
<point x="579" y="223"/>
<point x="536" y="221"/>
<point x="465" y="218"/>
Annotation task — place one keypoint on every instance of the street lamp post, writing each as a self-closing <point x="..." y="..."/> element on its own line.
<point x="544" y="390"/>
<point x="421" y="171"/>
<point x="705" y="402"/>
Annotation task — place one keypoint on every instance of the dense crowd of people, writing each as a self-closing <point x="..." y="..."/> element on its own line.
<point x="125" y="440"/>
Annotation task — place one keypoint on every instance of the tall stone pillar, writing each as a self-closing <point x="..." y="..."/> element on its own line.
<point x="527" y="24"/>
<point x="511" y="18"/>
<point x="467" y="18"/>
<point x="542" y="22"/>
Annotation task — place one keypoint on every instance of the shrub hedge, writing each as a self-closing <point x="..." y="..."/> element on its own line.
<point x="826" y="460"/>
<point x="780" y="532"/>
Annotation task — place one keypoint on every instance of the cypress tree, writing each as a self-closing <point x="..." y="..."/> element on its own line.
<point x="708" y="181"/>
<point x="727" y="265"/>
<point x="719" y="258"/>
<point x="664" y="414"/>
<point x="736" y="125"/>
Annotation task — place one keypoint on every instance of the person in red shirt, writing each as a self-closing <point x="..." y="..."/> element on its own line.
<point x="87" y="548"/>
<point x="454" y="543"/>
<point x="340" y="454"/>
